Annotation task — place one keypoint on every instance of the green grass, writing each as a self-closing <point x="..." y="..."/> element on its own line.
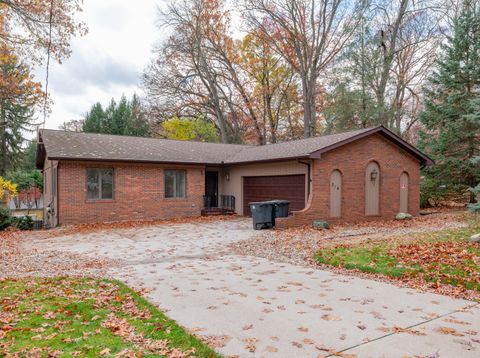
<point x="68" y="315"/>
<point x="384" y="257"/>
<point x="374" y="259"/>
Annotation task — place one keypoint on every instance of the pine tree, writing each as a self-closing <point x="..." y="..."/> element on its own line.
<point x="94" y="120"/>
<point x="122" y="118"/>
<point x="138" y="124"/>
<point x="19" y="95"/>
<point x="452" y="104"/>
<point x="121" y="115"/>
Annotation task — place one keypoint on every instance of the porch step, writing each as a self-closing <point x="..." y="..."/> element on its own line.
<point x="217" y="211"/>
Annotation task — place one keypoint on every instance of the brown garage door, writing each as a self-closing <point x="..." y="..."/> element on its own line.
<point x="284" y="187"/>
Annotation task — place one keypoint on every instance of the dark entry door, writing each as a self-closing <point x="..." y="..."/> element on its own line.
<point x="283" y="187"/>
<point x="211" y="189"/>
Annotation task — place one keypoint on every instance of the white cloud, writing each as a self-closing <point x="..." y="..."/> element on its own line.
<point x="107" y="62"/>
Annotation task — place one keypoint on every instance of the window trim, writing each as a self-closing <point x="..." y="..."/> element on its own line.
<point x="174" y="197"/>
<point x="100" y="186"/>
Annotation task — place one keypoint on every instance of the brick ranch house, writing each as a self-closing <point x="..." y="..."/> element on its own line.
<point x="354" y="176"/>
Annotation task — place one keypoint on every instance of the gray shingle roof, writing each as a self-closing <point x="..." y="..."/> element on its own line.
<point x="292" y="149"/>
<point x="92" y="146"/>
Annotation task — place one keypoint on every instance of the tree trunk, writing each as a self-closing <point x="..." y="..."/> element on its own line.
<point x="388" y="57"/>
<point x="212" y="89"/>
<point x="307" y="108"/>
<point x="3" y="143"/>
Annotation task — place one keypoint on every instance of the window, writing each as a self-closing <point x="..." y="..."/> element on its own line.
<point x="175" y="183"/>
<point x="99" y="183"/>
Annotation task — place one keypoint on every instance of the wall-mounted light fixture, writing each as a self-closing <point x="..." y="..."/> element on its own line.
<point x="227" y="176"/>
<point x="373" y="175"/>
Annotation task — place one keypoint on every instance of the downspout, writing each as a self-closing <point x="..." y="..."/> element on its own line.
<point x="309" y="175"/>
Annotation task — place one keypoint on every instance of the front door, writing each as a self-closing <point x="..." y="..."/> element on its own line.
<point x="211" y="189"/>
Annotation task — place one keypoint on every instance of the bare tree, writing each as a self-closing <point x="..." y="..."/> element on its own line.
<point x="309" y="34"/>
<point x="183" y="67"/>
<point x="203" y="71"/>
<point x="74" y="125"/>
<point x="30" y="27"/>
<point x="390" y="58"/>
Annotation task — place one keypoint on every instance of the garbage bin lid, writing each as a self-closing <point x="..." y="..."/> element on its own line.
<point x="279" y="202"/>
<point x="260" y="203"/>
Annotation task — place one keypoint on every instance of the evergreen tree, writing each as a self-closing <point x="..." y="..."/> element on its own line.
<point x="123" y="118"/>
<point x="94" y="120"/>
<point x="138" y="124"/>
<point x="19" y="95"/>
<point x="348" y="109"/>
<point x="452" y="104"/>
<point x="30" y="156"/>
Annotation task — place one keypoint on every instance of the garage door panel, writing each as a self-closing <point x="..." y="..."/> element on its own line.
<point x="284" y="187"/>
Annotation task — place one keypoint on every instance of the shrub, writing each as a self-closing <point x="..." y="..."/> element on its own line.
<point x="24" y="223"/>
<point x="5" y="218"/>
<point x="7" y="189"/>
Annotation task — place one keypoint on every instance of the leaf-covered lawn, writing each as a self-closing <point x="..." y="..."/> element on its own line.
<point x="68" y="317"/>
<point x="439" y="259"/>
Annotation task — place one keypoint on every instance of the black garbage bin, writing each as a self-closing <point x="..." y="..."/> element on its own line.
<point x="262" y="214"/>
<point x="281" y="208"/>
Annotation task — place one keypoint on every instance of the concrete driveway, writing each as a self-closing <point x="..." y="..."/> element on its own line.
<point x="248" y="306"/>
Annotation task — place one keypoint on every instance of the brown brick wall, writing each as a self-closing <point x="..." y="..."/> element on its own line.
<point x="352" y="160"/>
<point x="138" y="193"/>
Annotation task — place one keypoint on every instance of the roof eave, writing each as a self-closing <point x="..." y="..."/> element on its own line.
<point x="424" y="159"/>
<point x="110" y="160"/>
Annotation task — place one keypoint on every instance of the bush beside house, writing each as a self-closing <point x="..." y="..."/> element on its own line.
<point x="29" y="194"/>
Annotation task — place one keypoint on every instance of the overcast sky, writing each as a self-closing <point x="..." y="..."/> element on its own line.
<point x="105" y="63"/>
